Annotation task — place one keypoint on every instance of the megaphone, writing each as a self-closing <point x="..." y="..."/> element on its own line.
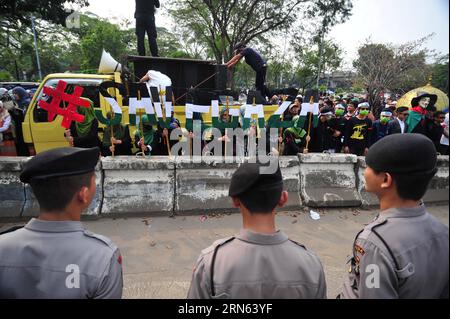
<point x="108" y="64"/>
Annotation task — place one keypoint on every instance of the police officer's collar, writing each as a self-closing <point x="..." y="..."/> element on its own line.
<point x="403" y="212"/>
<point x="262" y="239"/>
<point x="54" y="226"/>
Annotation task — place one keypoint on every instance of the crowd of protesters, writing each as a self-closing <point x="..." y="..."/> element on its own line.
<point x="349" y="125"/>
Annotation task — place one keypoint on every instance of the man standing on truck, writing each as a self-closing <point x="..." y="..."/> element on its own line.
<point x="145" y="22"/>
<point x="256" y="61"/>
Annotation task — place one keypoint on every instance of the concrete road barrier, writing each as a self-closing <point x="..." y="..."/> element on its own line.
<point x="138" y="185"/>
<point x="203" y="186"/>
<point x="289" y="166"/>
<point x="367" y="199"/>
<point x="328" y="180"/>
<point x="439" y="186"/>
<point x="12" y="191"/>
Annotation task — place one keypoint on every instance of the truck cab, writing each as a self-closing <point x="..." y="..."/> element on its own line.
<point x="43" y="135"/>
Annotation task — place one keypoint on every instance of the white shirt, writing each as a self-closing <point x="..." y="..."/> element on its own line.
<point x="402" y="125"/>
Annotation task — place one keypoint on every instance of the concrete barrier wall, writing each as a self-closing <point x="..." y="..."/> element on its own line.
<point x="160" y="184"/>
<point x="12" y="191"/>
<point x="203" y="186"/>
<point x="138" y="184"/>
<point x="439" y="186"/>
<point x="328" y="180"/>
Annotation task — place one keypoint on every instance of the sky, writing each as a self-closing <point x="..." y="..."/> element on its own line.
<point x="384" y="21"/>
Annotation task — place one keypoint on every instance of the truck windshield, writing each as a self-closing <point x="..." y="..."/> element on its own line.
<point x="90" y="91"/>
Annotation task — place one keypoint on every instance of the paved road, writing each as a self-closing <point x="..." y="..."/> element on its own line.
<point x="160" y="252"/>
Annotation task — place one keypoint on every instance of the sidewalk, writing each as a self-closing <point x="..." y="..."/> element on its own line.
<point x="159" y="253"/>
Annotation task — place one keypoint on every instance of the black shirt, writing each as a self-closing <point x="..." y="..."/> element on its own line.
<point x="254" y="59"/>
<point x="357" y="133"/>
<point x="145" y="8"/>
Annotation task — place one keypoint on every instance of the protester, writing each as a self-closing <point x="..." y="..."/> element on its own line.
<point x="120" y="143"/>
<point x="260" y="262"/>
<point x="357" y="135"/>
<point x="22" y="98"/>
<point x="444" y="138"/>
<point x="5" y="120"/>
<point x="418" y="121"/>
<point x="153" y="141"/>
<point x="380" y="127"/>
<point x="257" y="63"/>
<point x="84" y="134"/>
<point x="435" y="130"/>
<point x="338" y="123"/>
<point x="351" y="109"/>
<point x="323" y="139"/>
<point x="398" y="124"/>
<point x="293" y="110"/>
<point x="145" y="23"/>
<point x="294" y="138"/>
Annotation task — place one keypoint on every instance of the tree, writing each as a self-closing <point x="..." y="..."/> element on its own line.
<point x="14" y="13"/>
<point x="383" y="67"/>
<point x="440" y="74"/>
<point x="330" y="12"/>
<point x="309" y="56"/>
<point x="221" y="24"/>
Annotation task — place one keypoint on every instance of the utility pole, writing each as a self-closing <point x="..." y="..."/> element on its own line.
<point x="321" y="35"/>
<point x="36" y="48"/>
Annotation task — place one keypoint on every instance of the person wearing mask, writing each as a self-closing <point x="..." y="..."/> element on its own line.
<point x="380" y="127"/>
<point x="84" y="134"/>
<point x="398" y="124"/>
<point x="338" y="123"/>
<point x="357" y="133"/>
<point x="419" y="120"/>
<point x="145" y="23"/>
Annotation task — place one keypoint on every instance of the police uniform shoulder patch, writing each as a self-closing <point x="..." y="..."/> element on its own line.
<point x="101" y="238"/>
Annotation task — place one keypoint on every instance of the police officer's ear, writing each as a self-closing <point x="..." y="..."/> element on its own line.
<point x="86" y="194"/>
<point x="388" y="181"/>
<point x="236" y="202"/>
<point x="283" y="199"/>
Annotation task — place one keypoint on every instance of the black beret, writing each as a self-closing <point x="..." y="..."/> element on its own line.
<point x="403" y="154"/>
<point x="249" y="177"/>
<point x="58" y="162"/>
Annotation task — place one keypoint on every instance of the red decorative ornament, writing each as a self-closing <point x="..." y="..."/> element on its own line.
<point x="58" y="94"/>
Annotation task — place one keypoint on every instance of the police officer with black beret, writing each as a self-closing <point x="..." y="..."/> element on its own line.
<point x="404" y="252"/>
<point x="260" y="261"/>
<point x="54" y="256"/>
